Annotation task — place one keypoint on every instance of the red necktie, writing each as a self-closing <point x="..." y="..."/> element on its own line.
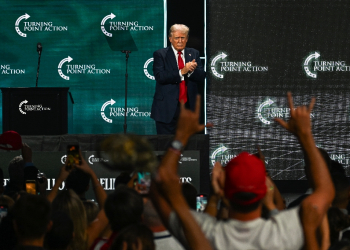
<point x="183" y="87"/>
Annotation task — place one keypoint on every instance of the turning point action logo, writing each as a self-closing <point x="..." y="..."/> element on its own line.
<point x="64" y="159"/>
<point x="104" y="117"/>
<point x="341" y="158"/>
<point x="122" y="25"/>
<point x="36" y="26"/>
<point x="221" y="154"/>
<point x="6" y="70"/>
<point x="37" y="107"/>
<point x="146" y="70"/>
<point x="89" y="69"/>
<point x="312" y="65"/>
<point x="266" y="113"/>
<point x="119" y="111"/>
<point x="233" y="66"/>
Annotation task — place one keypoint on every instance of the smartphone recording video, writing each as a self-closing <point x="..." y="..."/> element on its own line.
<point x="73" y="157"/>
<point x="3" y="211"/>
<point x="144" y="182"/>
<point x="31" y="186"/>
<point x="201" y="202"/>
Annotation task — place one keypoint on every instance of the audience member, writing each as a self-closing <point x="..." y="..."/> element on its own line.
<point x="190" y="193"/>
<point x="31" y="220"/>
<point x="78" y="181"/>
<point x="338" y="221"/>
<point x="329" y="164"/>
<point x="337" y="167"/>
<point x="6" y="202"/>
<point x="83" y="168"/>
<point x="123" y="178"/>
<point x="162" y="237"/>
<point x="244" y="186"/>
<point x="7" y="233"/>
<point x="16" y="177"/>
<point x="87" y="233"/>
<point x="269" y="205"/>
<point x="68" y="202"/>
<point x="134" y="237"/>
<point x="278" y="201"/>
<point x="91" y="210"/>
<point x="30" y="171"/>
<point x="217" y="205"/>
<point x="166" y="191"/>
<point x="123" y="207"/>
<point x="61" y="233"/>
<point x="10" y="140"/>
<point x="342" y="191"/>
<point x="316" y="229"/>
<point x="20" y="169"/>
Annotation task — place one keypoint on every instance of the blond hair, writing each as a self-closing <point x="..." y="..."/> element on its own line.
<point x="179" y="27"/>
<point x="69" y="202"/>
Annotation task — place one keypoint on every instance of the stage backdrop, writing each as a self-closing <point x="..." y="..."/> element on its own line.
<point x="259" y="50"/>
<point x="82" y="43"/>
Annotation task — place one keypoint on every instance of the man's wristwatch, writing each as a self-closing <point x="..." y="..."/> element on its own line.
<point x="177" y="145"/>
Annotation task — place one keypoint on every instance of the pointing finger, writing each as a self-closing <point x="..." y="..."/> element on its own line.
<point x="209" y="125"/>
<point x="290" y="101"/>
<point x="282" y="123"/>
<point x="312" y="103"/>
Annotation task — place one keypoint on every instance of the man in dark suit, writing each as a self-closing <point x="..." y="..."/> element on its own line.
<point x="177" y="71"/>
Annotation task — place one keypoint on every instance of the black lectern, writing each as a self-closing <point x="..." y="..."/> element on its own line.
<point x="37" y="111"/>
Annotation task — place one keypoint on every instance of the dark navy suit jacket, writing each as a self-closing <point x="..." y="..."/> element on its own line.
<point x="166" y="73"/>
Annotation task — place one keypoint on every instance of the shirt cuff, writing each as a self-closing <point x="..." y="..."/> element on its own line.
<point x="181" y="76"/>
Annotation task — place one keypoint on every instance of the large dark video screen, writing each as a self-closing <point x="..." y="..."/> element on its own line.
<point x="259" y="50"/>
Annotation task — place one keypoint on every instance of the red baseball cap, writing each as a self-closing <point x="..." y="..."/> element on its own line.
<point x="245" y="173"/>
<point x="10" y="140"/>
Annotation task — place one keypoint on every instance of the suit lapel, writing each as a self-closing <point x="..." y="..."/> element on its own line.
<point x="170" y="57"/>
<point x="188" y="57"/>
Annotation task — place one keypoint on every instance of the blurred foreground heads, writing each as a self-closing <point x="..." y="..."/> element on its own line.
<point x="128" y="153"/>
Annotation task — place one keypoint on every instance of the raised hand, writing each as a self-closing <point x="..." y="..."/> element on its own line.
<point x="268" y="199"/>
<point x="299" y="122"/>
<point x="84" y="166"/>
<point x="188" y="123"/>
<point x="169" y="185"/>
<point x="63" y="173"/>
<point x="218" y="179"/>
